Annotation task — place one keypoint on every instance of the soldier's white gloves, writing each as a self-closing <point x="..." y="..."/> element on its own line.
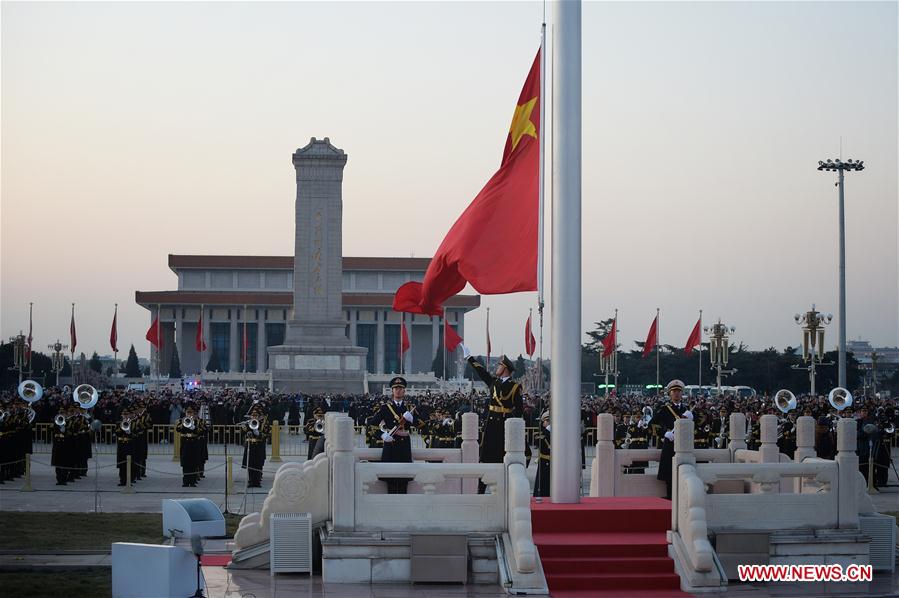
<point x="688" y="414"/>
<point x="548" y="428"/>
<point x="466" y="353"/>
<point x="408" y="416"/>
<point x="669" y="435"/>
<point x="386" y="437"/>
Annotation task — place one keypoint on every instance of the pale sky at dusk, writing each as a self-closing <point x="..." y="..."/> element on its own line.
<point x="135" y="130"/>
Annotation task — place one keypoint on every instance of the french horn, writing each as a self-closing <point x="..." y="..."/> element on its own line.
<point x="840" y="398"/>
<point x="30" y="391"/>
<point x="785" y="400"/>
<point x="86" y="396"/>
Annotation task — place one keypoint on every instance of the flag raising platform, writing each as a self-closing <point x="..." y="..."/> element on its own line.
<point x="613" y="546"/>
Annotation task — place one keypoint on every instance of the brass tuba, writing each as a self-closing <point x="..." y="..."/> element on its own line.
<point x="86" y="396"/>
<point x="189" y="423"/>
<point x="840" y="398"/>
<point x="60" y="420"/>
<point x="785" y="400"/>
<point x="30" y="391"/>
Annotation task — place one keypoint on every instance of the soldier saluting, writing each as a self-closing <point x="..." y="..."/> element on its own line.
<point x="505" y="402"/>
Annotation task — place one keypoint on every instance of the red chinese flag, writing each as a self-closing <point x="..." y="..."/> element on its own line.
<point x="73" y="338"/>
<point x="493" y="244"/>
<point x="450" y="338"/>
<point x="404" y="339"/>
<point x="608" y="343"/>
<point x="199" y="343"/>
<point x="694" y="339"/>
<point x="530" y="343"/>
<point x="652" y="337"/>
<point x="153" y="333"/>
<point x="114" y="333"/>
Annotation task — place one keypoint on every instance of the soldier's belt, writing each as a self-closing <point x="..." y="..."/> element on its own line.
<point x="544" y="457"/>
<point x="496" y="409"/>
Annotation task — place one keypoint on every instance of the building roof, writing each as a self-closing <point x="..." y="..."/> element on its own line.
<point x="380" y="300"/>
<point x="285" y="262"/>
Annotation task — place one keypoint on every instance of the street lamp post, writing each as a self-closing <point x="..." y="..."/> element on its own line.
<point x="719" y="349"/>
<point x="813" y="323"/>
<point x="609" y="367"/>
<point x="58" y="360"/>
<point x="18" y="350"/>
<point x="840" y="167"/>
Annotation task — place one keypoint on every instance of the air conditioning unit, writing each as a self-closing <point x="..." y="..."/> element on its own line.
<point x="291" y="543"/>
<point x="882" y="531"/>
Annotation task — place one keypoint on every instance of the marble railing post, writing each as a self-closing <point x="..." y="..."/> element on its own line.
<point x="343" y="464"/>
<point x="683" y="455"/>
<point x="805" y="445"/>
<point x="514" y="441"/>
<point x="470" y="449"/>
<point x="847" y="461"/>
<point x="737" y="433"/>
<point x="768" y="451"/>
<point x="602" y="479"/>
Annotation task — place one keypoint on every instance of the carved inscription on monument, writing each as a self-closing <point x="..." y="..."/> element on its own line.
<point x="317" y="253"/>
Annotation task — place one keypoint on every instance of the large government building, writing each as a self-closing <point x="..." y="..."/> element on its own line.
<point x="256" y="291"/>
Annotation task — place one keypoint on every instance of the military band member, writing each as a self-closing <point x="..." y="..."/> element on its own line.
<point x="124" y="445"/>
<point x="638" y="434"/>
<point x="505" y="402"/>
<point x="663" y="421"/>
<point x="443" y="430"/>
<point x="62" y="449"/>
<point x="544" y="457"/>
<point x="718" y="431"/>
<point x="255" y="444"/>
<point x="312" y="434"/>
<point x="394" y="420"/>
<point x="188" y="428"/>
<point x="786" y="442"/>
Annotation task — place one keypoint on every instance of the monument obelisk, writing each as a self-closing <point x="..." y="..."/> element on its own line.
<point x="317" y="356"/>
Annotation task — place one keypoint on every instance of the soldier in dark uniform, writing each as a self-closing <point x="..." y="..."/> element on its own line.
<point x="395" y="419"/>
<point x="7" y="432"/>
<point x="189" y="429"/>
<point x="663" y="421"/>
<point x="124" y="446"/>
<point x="372" y="432"/>
<point x="544" y="461"/>
<point x="203" y="438"/>
<point x="786" y="444"/>
<point x="718" y="432"/>
<point x="61" y="456"/>
<point x="443" y="430"/>
<point x="637" y="431"/>
<point x="140" y="424"/>
<point x="505" y="402"/>
<point x="312" y="435"/>
<point x="255" y="444"/>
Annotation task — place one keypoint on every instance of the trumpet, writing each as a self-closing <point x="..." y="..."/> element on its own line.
<point x="126" y="425"/>
<point x="319" y="426"/>
<point x="60" y="420"/>
<point x="251" y="424"/>
<point x="189" y="423"/>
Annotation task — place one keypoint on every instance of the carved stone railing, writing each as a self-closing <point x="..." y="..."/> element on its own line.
<point x="524" y="552"/>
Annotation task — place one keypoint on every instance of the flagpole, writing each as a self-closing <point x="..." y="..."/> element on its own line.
<point x="202" y="344"/>
<point x="541" y="184"/>
<point x="615" y="352"/>
<point x="488" y="339"/>
<point x="657" y="349"/>
<point x="158" y="340"/>
<point x="565" y="478"/>
<point x="72" y="358"/>
<point x="115" y="350"/>
<point x="402" y="328"/>
<point x="30" y="356"/>
<point x="700" y="353"/>
<point x="244" y="346"/>
<point x="444" y="351"/>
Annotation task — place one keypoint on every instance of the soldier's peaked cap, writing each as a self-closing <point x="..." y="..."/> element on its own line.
<point x="674" y="384"/>
<point x="398" y="381"/>
<point x="508" y="363"/>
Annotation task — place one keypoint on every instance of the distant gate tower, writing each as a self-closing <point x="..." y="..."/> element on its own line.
<point x="317" y="356"/>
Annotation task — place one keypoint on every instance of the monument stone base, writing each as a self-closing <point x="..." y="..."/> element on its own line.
<point x="318" y="369"/>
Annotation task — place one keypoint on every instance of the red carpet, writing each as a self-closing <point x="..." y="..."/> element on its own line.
<point x="606" y="547"/>
<point x="215" y="560"/>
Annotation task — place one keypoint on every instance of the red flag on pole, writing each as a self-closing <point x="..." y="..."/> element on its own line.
<point x="695" y="337"/>
<point x="404" y="340"/>
<point x="450" y="338"/>
<point x="488" y="337"/>
<point x="652" y="337"/>
<point x="530" y="343"/>
<point x="199" y="342"/>
<point x="153" y="333"/>
<point x="73" y="338"/>
<point x="608" y="343"/>
<point x="507" y="206"/>
<point x="114" y="332"/>
<point x="28" y="349"/>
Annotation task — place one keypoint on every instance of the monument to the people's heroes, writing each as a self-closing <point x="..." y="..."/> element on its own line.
<point x="316" y="355"/>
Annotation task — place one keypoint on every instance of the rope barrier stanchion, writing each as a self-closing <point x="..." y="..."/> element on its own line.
<point x="128" y="489"/>
<point x="176" y="446"/>
<point x="27" y="486"/>
<point x="276" y="442"/>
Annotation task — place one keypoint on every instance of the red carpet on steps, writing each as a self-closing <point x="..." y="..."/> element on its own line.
<point x="606" y="547"/>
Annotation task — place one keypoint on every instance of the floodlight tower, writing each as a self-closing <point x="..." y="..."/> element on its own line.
<point x="840" y="167"/>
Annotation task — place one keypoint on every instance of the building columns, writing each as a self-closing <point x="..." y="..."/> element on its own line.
<point x="260" y="344"/>
<point x="379" y="350"/>
<point x="233" y="353"/>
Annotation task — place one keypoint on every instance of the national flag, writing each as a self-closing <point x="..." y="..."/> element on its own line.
<point x="530" y="343"/>
<point x="404" y="339"/>
<point x="652" y="337"/>
<point x="73" y="338"/>
<point x="114" y="332"/>
<point x="493" y="244"/>
<point x="153" y="333"/>
<point x="450" y="338"/>
<point x="28" y="347"/>
<point x="695" y="337"/>
<point x="199" y="342"/>
<point x="611" y="340"/>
